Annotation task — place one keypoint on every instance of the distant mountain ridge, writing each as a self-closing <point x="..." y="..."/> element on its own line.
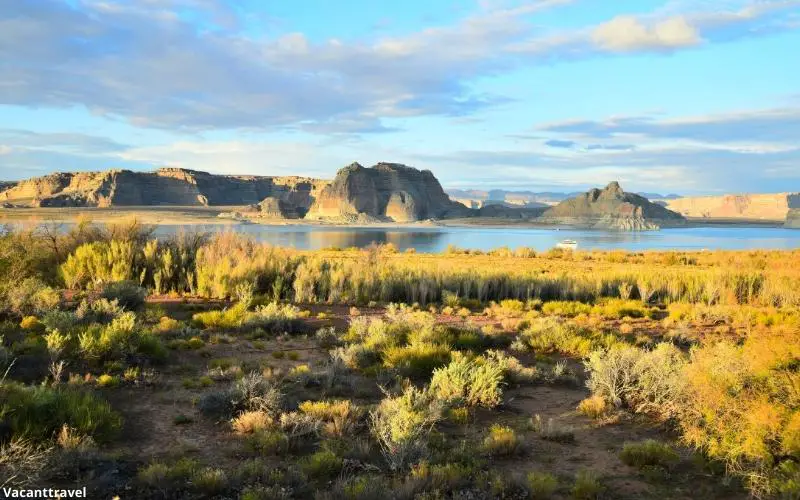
<point x="476" y="198"/>
<point x="767" y="207"/>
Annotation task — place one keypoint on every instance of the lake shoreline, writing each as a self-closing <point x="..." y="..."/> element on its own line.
<point x="211" y="216"/>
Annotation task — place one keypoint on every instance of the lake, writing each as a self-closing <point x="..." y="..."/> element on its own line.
<point x="437" y="239"/>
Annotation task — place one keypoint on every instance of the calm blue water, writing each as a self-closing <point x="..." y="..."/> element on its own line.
<point x="437" y="239"/>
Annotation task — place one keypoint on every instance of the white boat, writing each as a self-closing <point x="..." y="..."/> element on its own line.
<point x="567" y="245"/>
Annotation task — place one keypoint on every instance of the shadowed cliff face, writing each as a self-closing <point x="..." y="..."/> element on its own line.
<point x="385" y="192"/>
<point x="793" y="218"/>
<point x="612" y="208"/>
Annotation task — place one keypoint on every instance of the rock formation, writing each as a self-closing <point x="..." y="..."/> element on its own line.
<point x="772" y="207"/>
<point x="612" y="208"/>
<point x="385" y="192"/>
<point x="166" y="186"/>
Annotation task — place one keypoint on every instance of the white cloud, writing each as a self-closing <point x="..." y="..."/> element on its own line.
<point x="628" y="33"/>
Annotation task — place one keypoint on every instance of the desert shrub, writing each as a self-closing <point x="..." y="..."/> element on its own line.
<point x="649" y="453"/>
<point x="93" y="264"/>
<point x="267" y="442"/>
<point x="513" y="370"/>
<point x="439" y="477"/>
<point x="587" y="485"/>
<point x="254" y="392"/>
<point x="98" y="311"/>
<point x="216" y="404"/>
<point x="300" y="425"/>
<point x="249" y="422"/>
<point x="275" y="318"/>
<point x="323" y="465"/>
<point x="106" y="380"/>
<point x="552" y="335"/>
<point x="417" y="360"/>
<point x="619" y="308"/>
<point x="31" y="296"/>
<point x="116" y="339"/>
<point x="541" y="485"/>
<point x="231" y="318"/>
<point x="163" y="476"/>
<point x="209" y="481"/>
<point x="22" y="462"/>
<point x="741" y="405"/>
<point x="37" y="413"/>
<point x="31" y="323"/>
<point x="59" y="320"/>
<point x="450" y="299"/>
<point x="128" y="294"/>
<point x="501" y="441"/>
<point x="567" y="309"/>
<point x="401" y="425"/>
<point x="357" y="356"/>
<point x="593" y="407"/>
<point x="647" y="381"/>
<point x="339" y="417"/>
<point x="473" y="382"/>
<point x="327" y="337"/>
<point x="551" y="430"/>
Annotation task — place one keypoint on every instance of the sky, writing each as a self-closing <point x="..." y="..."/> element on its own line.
<point x="683" y="96"/>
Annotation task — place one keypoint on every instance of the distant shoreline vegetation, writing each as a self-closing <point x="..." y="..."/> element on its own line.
<point x="87" y="255"/>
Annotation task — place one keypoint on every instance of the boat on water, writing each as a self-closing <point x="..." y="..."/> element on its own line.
<point x="567" y="245"/>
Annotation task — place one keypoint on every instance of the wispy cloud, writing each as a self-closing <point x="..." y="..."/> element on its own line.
<point x="145" y="62"/>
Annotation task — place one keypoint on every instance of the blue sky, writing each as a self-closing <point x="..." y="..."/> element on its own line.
<point x="693" y="97"/>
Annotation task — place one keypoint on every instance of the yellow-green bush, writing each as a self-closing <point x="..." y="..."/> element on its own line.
<point x="648" y="453"/>
<point x="416" y="360"/>
<point x="475" y="382"/>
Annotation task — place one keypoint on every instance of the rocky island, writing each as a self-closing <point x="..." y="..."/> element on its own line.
<point x="385" y="192"/>
<point x="612" y="208"/>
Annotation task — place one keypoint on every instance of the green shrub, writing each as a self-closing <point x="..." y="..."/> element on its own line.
<point x="473" y="382"/>
<point x="649" y="453"/>
<point x="31" y="296"/>
<point x="37" y="413"/>
<point x="401" y="425"/>
<point x="114" y="340"/>
<point x="231" y="318"/>
<point x="98" y="311"/>
<point x="209" y="481"/>
<point x="541" y="485"/>
<point x="647" y="381"/>
<point x="501" y="441"/>
<point x="275" y="318"/>
<point x="93" y="264"/>
<point x="567" y="309"/>
<point x="128" y="294"/>
<point x="587" y="485"/>
<point x="552" y="335"/>
<point x="323" y="465"/>
<point x="418" y="360"/>
<point x="339" y="417"/>
<point x="619" y="308"/>
<point x="267" y="442"/>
